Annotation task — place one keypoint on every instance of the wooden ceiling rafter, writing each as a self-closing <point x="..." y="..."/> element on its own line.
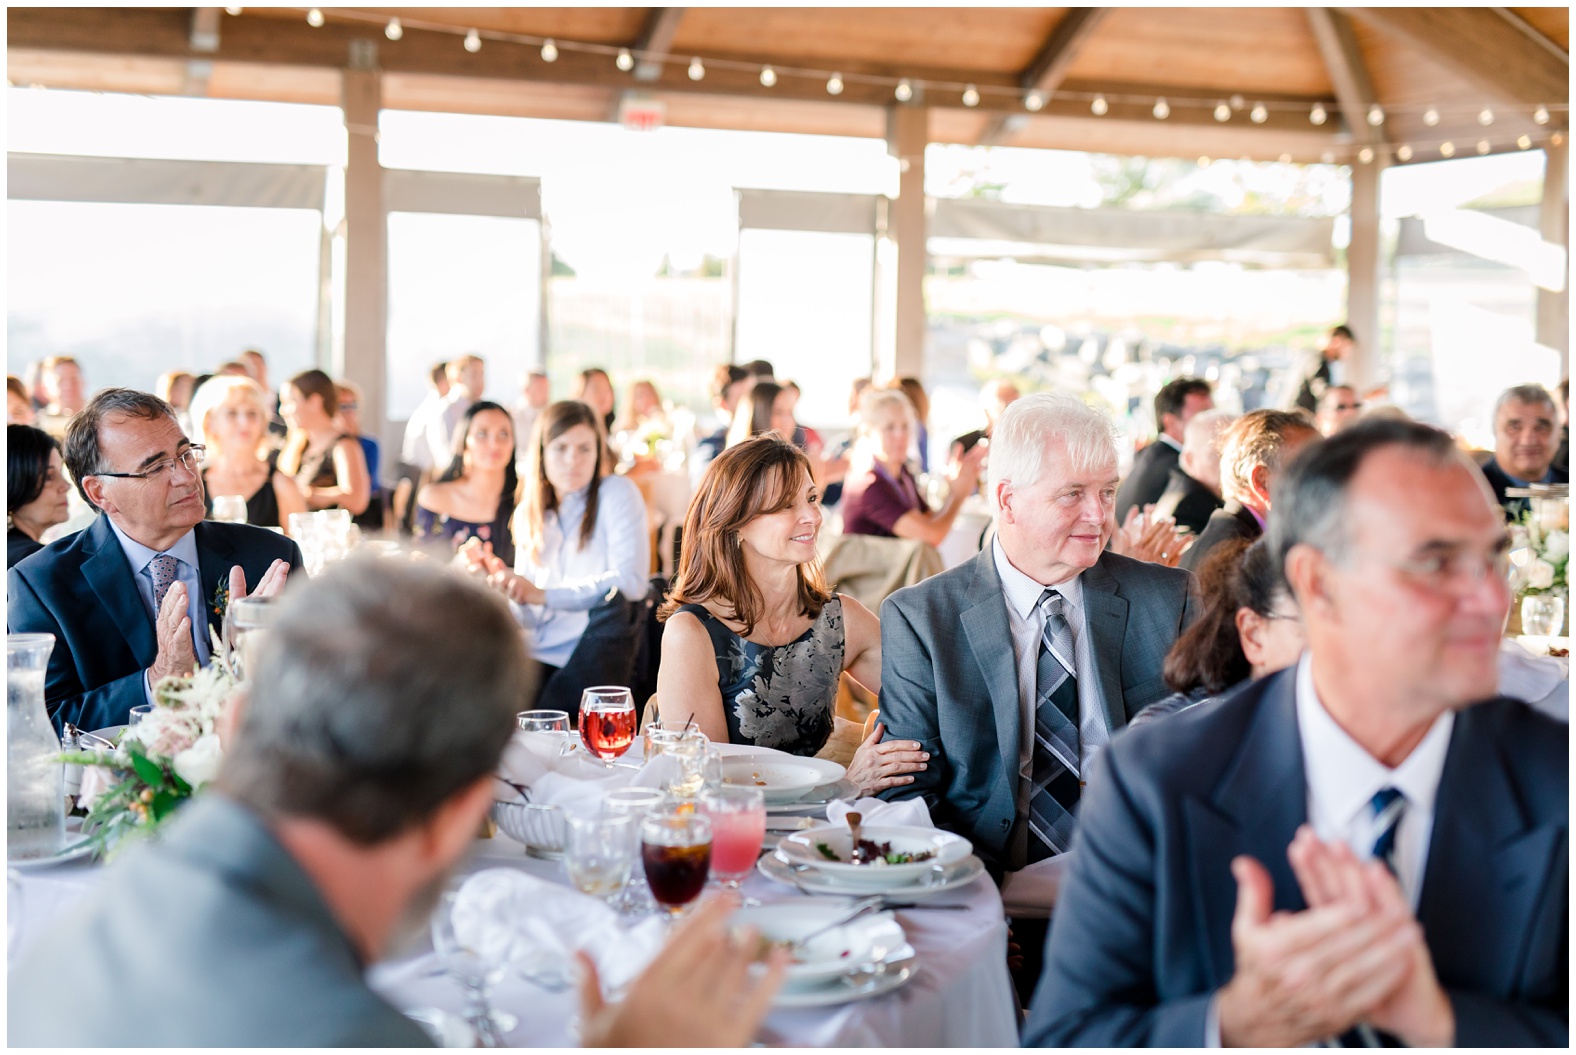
<point x="655" y="45"/>
<point x="1050" y="66"/>
<point x="1354" y="90"/>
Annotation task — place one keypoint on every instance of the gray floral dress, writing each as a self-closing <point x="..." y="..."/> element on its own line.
<point x="779" y="696"/>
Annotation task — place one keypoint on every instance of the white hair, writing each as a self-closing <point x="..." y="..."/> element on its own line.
<point x="212" y="394"/>
<point x="1205" y="432"/>
<point x="1026" y="429"/>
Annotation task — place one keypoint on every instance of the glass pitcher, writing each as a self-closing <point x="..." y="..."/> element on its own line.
<point x="35" y="777"/>
<point x="245" y="621"/>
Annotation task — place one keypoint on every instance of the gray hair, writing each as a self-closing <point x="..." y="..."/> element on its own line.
<point x="1310" y="495"/>
<point x="1536" y="395"/>
<point x="81" y="452"/>
<point x="1258" y="438"/>
<point x="383" y="690"/>
<point x="213" y="394"/>
<point x="1030" y="423"/>
<point x="1204" y="431"/>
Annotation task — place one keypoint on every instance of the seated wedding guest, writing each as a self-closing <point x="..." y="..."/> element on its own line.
<point x="65" y="393"/>
<point x="1256" y="446"/>
<point x="838" y="451"/>
<point x="467" y="377"/>
<point x="133" y="596"/>
<point x="767" y="407"/>
<point x="761" y="370"/>
<point x="1016" y="668"/>
<point x="1248" y="628"/>
<point x="176" y="387"/>
<point x="996" y="395"/>
<point x="1562" y="453"/>
<point x="1175" y="404"/>
<point x="582" y="559"/>
<point x="267" y="898"/>
<point x="33" y="381"/>
<point x="644" y="404"/>
<point x="1354" y="850"/>
<point x="36" y="490"/>
<point x="728" y="386"/>
<point x="1526" y="430"/>
<point x="915" y="391"/>
<point x="1192" y="491"/>
<point x="18" y="408"/>
<point x="257" y="366"/>
<point x="1338" y="407"/>
<point x="474" y="497"/>
<point x="327" y="464"/>
<point x="534" y="397"/>
<point x="595" y="389"/>
<point x="880" y="496"/>
<point x="754" y="643"/>
<point x="348" y="421"/>
<point x="231" y="415"/>
<point x="415" y="451"/>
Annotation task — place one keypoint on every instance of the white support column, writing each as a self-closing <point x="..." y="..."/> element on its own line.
<point x="908" y="132"/>
<point x="1362" y="274"/>
<point x="365" y="359"/>
<point x="1554" y="308"/>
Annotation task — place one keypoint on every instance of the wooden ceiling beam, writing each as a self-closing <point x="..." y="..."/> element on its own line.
<point x="1479" y="45"/>
<point x="656" y="42"/>
<point x="1332" y="31"/>
<point x="1050" y="66"/>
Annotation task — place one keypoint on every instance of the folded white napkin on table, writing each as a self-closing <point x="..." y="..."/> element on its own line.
<point x="905" y="813"/>
<point x="534" y="761"/>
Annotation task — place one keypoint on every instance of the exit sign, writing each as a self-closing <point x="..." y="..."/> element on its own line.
<point x="642" y="115"/>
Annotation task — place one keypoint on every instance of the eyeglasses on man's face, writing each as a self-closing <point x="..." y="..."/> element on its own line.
<point x="188" y="459"/>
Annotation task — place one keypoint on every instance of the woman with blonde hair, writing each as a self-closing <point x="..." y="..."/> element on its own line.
<point x="327" y="464"/>
<point x="755" y="643"/>
<point x="880" y="495"/>
<point x="230" y="418"/>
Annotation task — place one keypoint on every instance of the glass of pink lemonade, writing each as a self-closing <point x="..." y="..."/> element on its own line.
<point x="738" y="826"/>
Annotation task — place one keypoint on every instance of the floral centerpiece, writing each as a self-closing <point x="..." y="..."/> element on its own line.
<point x="158" y="763"/>
<point x="1540" y="556"/>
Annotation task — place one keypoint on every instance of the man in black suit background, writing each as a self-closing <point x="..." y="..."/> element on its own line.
<point x="1175" y="404"/>
<point x="132" y="598"/>
<point x="1526" y="431"/>
<point x="1193" y="489"/>
<point x="1256" y="447"/>
<point x="1321" y="374"/>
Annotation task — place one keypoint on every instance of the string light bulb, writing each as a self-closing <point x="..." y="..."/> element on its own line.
<point x="1238" y="102"/>
<point x="696" y="69"/>
<point x="1222" y="112"/>
<point x="1034" y="102"/>
<point x="1365" y="155"/>
<point x="393" y="30"/>
<point x="834" y="84"/>
<point x="1327" y="157"/>
<point x="1430" y="117"/>
<point x="904" y="91"/>
<point x="1541" y="115"/>
<point x="1259" y="114"/>
<point x="625" y="60"/>
<point x="1099" y="107"/>
<point x="1486" y="117"/>
<point x="1483" y="146"/>
<point x="1524" y="142"/>
<point x="1447" y="148"/>
<point x="768" y="77"/>
<point x="232" y="11"/>
<point x="1285" y="159"/>
<point x="1318" y="115"/>
<point x="314" y="18"/>
<point x="1162" y="109"/>
<point x="1375" y="115"/>
<point x="549" y="51"/>
<point x="971" y="95"/>
<point x="1557" y="139"/>
<point x="473" y="41"/>
<point x="1404" y="152"/>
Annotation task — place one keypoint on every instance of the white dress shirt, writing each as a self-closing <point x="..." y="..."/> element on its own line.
<point x="186" y="572"/>
<point x="440" y="427"/>
<point x="416" y="450"/>
<point x="617" y="557"/>
<point x="1026" y="620"/>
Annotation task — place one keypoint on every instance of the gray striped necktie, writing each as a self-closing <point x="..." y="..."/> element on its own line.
<point x="1054" y="777"/>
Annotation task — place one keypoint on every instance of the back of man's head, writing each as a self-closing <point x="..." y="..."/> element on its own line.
<point x="382" y="690"/>
<point x="1258" y="440"/>
<point x="724" y="378"/>
<point x="760" y="369"/>
<point x="1172" y="397"/>
<point x="1201" y="443"/>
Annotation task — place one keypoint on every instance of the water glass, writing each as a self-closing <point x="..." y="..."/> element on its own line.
<point x="607" y="721"/>
<point x="544" y="722"/>
<point x="637" y="804"/>
<point x="1542" y="614"/>
<point x="675" y="847"/>
<point x="477" y="965"/>
<point x="138" y="713"/>
<point x="599" y="851"/>
<point x="738" y="827"/>
<point x="229" y="509"/>
<point x="245" y="620"/>
<point x="687" y="748"/>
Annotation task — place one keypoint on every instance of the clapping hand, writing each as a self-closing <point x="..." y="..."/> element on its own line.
<point x="1147" y="536"/>
<point x="172" y="629"/>
<point x="272" y="583"/>
<point x="478" y="559"/>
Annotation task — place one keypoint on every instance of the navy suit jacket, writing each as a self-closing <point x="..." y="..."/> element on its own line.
<point x="80" y="589"/>
<point x="948" y="679"/>
<point x="1141" y="938"/>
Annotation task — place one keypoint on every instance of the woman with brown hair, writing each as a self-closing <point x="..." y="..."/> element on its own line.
<point x="755" y="643"/>
<point x="582" y="559"/>
<point x="327" y="464"/>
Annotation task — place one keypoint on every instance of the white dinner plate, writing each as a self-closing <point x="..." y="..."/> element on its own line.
<point x="813" y="804"/>
<point x="804" y="848"/>
<point x="780" y="776"/>
<point x="813" y="882"/>
<point x="894" y="971"/>
<point x="829" y="955"/>
<point x="75" y="850"/>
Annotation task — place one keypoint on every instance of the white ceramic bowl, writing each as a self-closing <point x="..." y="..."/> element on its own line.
<point x="540" y="828"/>
<point x="802" y="848"/>
<point x="780" y="776"/>
<point x="827" y="956"/>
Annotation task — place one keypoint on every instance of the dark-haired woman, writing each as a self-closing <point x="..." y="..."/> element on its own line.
<point x="755" y="643"/>
<point x="36" y="490"/>
<point x="1249" y="629"/>
<point x="582" y="559"/>
<point x="327" y="464"/>
<point x="474" y="498"/>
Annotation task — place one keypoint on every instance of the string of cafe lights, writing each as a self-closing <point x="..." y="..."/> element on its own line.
<point x="905" y="89"/>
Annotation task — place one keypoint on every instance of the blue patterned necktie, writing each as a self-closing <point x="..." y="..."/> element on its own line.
<point x="1388" y="805"/>
<point x="1053" y="800"/>
<point x="164" y="569"/>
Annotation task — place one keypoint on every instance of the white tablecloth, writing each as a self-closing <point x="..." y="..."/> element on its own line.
<point x="960" y="996"/>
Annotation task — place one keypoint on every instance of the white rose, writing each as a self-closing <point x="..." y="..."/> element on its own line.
<point x="1540" y="575"/>
<point x="95" y="781"/>
<point x="1557" y="545"/>
<point x="199" y="763"/>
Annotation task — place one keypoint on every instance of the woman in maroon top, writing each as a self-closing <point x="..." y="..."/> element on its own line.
<point x="884" y="498"/>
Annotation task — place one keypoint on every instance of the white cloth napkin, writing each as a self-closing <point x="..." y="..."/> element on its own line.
<point x="1543" y="681"/>
<point x="534" y="761"/>
<point x="905" y="813"/>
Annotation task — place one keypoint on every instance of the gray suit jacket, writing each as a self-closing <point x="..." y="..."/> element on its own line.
<point x="213" y="936"/>
<point x="948" y="679"/>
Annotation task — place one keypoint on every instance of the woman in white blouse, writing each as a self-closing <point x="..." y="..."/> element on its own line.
<point x="582" y="559"/>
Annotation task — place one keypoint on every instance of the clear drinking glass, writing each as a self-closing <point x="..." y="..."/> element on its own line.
<point x="229" y="509"/>
<point x="1542" y="614"/>
<point x="35" y="777"/>
<point x="477" y="966"/>
<point x="637" y="804"/>
<point x="245" y="620"/>
<point x="138" y="713"/>
<point x="599" y="851"/>
<point x="738" y="827"/>
<point x="607" y="721"/>
<point x="675" y="847"/>
<point x="687" y="747"/>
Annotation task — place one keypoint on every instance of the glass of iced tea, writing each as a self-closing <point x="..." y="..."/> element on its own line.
<point x="675" y="848"/>
<point x="607" y="721"/>
<point x="738" y="827"/>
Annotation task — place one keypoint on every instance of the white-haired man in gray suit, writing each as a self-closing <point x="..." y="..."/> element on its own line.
<point x="1015" y="669"/>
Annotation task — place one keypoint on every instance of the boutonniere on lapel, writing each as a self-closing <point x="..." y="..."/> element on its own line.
<point x="221" y="598"/>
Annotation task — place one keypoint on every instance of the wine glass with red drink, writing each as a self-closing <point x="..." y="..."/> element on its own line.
<point x="607" y="721"/>
<point x="675" y="848"/>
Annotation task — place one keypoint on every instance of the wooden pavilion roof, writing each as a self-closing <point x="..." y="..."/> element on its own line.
<point x="1406" y="61"/>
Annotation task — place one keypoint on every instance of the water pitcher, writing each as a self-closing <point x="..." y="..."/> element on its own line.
<point x="35" y="778"/>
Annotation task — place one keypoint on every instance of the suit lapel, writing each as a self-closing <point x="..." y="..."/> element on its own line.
<point x="110" y="577"/>
<point x="990" y="638"/>
<point x="215" y="558"/>
<point x="1255" y="809"/>
<point x="1107" y="627"/>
